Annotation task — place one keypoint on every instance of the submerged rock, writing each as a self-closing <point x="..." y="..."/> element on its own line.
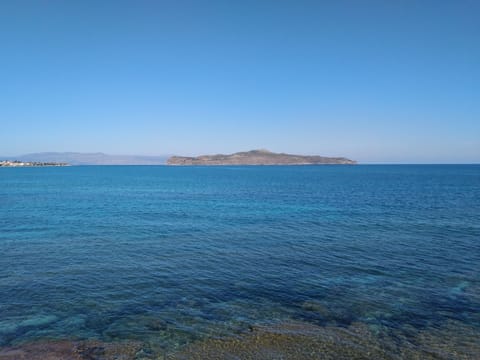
<point x="316" y="307"/>
<point x="296" y="341"/>
<point x="286" y="341"/>
<point x="72" y="350"/>
<point x="37" y="321"/>
<point x="300" y="341"/>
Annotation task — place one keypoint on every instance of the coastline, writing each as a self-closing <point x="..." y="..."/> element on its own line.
<point x="16" y="163"/>
<point x="289" y="341"/>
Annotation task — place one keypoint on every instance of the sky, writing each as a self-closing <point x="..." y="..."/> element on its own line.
<point x="375" y="81"/>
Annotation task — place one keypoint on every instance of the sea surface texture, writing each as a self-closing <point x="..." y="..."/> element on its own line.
<point x="171" y="256"/>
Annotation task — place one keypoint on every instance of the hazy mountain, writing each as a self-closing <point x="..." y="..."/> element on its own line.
<point x="258" y="157"/>
<point x="74" y="158"/>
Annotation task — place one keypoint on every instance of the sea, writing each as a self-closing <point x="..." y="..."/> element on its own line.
<point x="173" y="256"/>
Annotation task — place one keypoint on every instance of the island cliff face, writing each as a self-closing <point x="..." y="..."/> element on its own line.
<point x="258" y="157"/>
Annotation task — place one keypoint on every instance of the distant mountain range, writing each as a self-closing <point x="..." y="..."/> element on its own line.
<point x="258" y="157"/>
<point x="73" y="158"/>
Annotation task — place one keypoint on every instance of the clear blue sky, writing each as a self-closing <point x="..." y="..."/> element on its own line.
<point x="395" y="81"/>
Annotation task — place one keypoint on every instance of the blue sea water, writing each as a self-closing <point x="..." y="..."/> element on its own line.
<point x="173" y="254"/>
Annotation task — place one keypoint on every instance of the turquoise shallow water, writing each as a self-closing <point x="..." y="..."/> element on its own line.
<point x="169" y="255"/>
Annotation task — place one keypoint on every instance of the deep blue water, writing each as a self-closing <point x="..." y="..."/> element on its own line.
<point x="171" y="254"/>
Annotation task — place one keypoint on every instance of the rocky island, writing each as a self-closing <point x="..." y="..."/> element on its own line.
<point x="258" y="157"/>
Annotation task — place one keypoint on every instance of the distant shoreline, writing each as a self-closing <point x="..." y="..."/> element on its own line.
<point x="18" y="163"/>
